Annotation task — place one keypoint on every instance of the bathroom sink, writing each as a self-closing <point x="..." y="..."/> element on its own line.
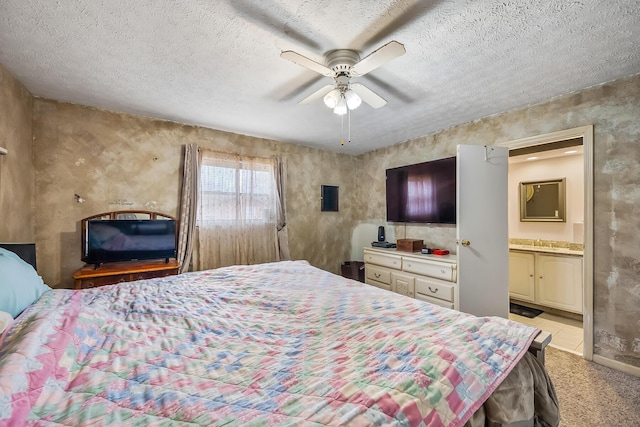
<point x="544" y="249"/>
<point x="548" y="249"/>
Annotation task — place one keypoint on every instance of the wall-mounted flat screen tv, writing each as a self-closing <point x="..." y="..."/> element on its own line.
<point x="129" y="240"/>
<point x="423" y="192"/>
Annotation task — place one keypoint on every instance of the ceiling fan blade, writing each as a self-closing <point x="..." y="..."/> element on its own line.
<point x="317" y="94"/>
<point x="303" y="61"/>
<point x="367" y="95"/>
<point x="378" y="57"/>
<point x="275" y="19"/>
<point x="398" y="16"/>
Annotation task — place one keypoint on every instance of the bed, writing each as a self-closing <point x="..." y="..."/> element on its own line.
<point x="272" y="344"/>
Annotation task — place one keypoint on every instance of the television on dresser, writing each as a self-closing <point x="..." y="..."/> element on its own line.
<point x="117" y="240"/>
<point x="422" y="192"/>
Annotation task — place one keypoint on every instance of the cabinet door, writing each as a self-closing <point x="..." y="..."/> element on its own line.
<point x="559" y="282"/>
<point x="403" y="284"/>
<point x="522" y="283"/>
<point x="482" y="235"/>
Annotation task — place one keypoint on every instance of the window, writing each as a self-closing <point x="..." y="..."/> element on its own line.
<point x="237" y="210"/>
<point x="237" y="191"/>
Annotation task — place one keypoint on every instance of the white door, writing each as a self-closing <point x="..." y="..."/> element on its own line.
<point x="482" y="232"/>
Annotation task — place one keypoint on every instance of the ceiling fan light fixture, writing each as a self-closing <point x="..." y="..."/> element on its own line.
<point x="353" y="100"/>
<point x="341" y="66"/>
<point x="331" y="99"/>
<point x="341" y="107"/>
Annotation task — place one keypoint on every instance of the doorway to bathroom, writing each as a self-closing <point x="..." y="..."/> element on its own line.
<point x="556" y="247"/>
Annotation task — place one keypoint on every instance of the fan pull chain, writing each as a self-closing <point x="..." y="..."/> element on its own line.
<point x="349" y="125"/>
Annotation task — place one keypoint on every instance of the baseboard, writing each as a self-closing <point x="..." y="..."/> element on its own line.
<point x="614" y="364"/>
<point x="566" y="350"/>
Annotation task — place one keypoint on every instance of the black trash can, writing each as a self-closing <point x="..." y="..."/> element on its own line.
<point x="353" y="270"/>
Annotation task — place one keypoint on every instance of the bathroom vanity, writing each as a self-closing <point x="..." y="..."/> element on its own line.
<point x="546" y="276"/>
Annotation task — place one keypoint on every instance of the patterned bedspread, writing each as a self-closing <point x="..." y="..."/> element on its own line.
<point x="272" y="344"/>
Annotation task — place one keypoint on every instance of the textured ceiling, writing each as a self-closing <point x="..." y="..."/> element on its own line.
<point x="217" y="63"/>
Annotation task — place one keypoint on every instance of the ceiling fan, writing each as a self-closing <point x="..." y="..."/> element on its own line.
<point x="342" y="65"/>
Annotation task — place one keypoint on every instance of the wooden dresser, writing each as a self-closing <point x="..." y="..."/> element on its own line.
<point x="117" y="272"/>
<point x="430" y="278"/>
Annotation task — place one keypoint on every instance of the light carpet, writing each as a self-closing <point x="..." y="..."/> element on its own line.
<point x="590" y="394"/>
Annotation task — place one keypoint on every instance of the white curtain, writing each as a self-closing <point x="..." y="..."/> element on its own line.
<point x="238" y="210"/>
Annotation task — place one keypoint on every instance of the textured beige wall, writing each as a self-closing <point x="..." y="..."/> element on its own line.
<point x="614" y="110"/>
<point x="117" y="161"/>
<point x="16" y="168"/>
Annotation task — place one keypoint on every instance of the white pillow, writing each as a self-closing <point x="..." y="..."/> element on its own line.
<point x="5" y="320"/>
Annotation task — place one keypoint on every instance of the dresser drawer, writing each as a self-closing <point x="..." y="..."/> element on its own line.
<point x="439" y="270"/>
<point x="435" y="301"/>
<point x="94" y="282"/>
<point x="373" y="272"/>
<point x="391" y="261"/>
<point x="434" y="288"/>
<point x="385" y="286"/>
<point x="91" y="276"/>
<point x="153" y="274"/>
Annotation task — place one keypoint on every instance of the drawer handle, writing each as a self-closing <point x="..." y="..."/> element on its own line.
<point x="408" y="264"/>
<point x="442" y="271"/>
<point x="377" y="275"/>
<point x="435" y="292"/>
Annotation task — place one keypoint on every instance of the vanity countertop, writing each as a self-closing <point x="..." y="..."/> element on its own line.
<point x="546" y="249"/>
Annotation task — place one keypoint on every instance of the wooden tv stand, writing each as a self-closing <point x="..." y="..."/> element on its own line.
<point x="116" y="272"/>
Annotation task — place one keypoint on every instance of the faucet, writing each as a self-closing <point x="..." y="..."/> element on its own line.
<point x="537" y="242"/>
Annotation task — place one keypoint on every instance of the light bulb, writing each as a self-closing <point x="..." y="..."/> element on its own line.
<point x="341" y="107"/>
<point x="331" y="99"/>
<point x="353" y="100"/>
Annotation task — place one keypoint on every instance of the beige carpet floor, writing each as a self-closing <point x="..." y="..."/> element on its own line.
<point x="592" y="395"/>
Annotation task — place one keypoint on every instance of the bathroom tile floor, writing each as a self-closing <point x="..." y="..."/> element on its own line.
<point x="566" y="334"/>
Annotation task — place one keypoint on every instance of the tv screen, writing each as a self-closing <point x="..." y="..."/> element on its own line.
<point x="423" y="192"/>
<point x="129" y="240"/>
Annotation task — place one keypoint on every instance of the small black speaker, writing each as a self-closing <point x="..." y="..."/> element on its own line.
<point x="381" y="236"/>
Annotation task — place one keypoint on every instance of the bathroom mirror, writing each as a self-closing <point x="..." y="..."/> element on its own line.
<point x="543" y="201"/>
